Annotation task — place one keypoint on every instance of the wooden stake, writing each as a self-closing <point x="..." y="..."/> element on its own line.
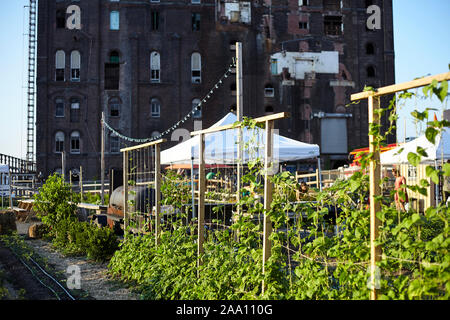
<point x="375" y="190"/>
<point x="125" y="190"/>
<point x="157" y="193"/>
<point x="201" y="200"/>
<point x="268" y="188"/>
<point x="102" y="164"/>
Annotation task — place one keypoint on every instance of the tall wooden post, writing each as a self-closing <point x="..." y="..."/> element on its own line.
<point x="125" y="190"/>
<point x="102" y="165"/>
<point x="63" y="165"/>
<point x="375" y="190"/>
<point x="239" y="115"/>
<point x="201" y="198"/>
<point x="268" y="188"/>
<point x="81" y="183"/>
<point x="157" y="193"/>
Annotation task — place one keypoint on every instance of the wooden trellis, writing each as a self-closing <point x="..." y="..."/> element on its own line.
<point x="375" y="167"/>
<point x="142" y="171"/>
<point x="268" y="185"/>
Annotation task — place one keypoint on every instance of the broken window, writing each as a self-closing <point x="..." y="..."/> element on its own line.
<point x="195" y="21"/>
<point x="370" y="72"/>
<point x="114" y="19"/>
<point x="196" y="67"/>
<point x="74" y="110"/>
<point x="155" y="66"/>
<point x="331" y="5"/>
<point x="114" y="107"/>
<point x="155" y="107"/>
<point x="60" y="64"/>
<point x="112" y="72"/>
<point x="59" y="141"/>
<point x="59" y="108"/>
<point x="370" y="49"/>
<point x="332" y="25"/>
<point x="155" y="20"/>
<point x="75" y="63"/>
<point x="75" y="142"/>
<point x="60" y="19"/>
<point x="303" y="25"/>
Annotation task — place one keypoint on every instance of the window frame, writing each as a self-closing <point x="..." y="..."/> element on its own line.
<point x="73" y="135"/>
<point x="60" y="66"/>
<point x="155" y="113"/>
<point x="114" y="20"/>
<point x="196" y="67"/>
<point x="60" y="105"/>
<point x="75" y="66"/>
<point x="59" y="144"/>
<point x="155" y="67"/>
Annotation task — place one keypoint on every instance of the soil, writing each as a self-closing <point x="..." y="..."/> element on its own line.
<point x="96" y="284"/>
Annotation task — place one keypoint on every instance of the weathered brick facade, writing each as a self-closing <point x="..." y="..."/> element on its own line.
<point x="266" y="29"/>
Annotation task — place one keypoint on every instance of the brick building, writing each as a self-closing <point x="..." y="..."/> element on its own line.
<point x="146" y="63"/>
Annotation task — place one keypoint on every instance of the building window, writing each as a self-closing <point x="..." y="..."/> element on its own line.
<point x="112" y="72"/>
<point x="74" y="110"/>
<point x="196" y="67"/>
<point x="114" y="107"/>
<point x="75" y="142"/>
<point x="303" y="25"/>
<point x="331" y="5"/>
<point x="273" y="67"/>
<point x="332" y="25"/>
<point x="197" y="109"/>
<point x="302" y="3"/>
<point x="114" y="143"/>
<point x="268" y="109"/>
<point x="60" y="19"/>
<point x="154" y="0"/>
<point x="195" y="21"/>
<point x="59" y="141"/>
<point x="114" y="19"/>
<point x="370" y="49"/>
<point x="59" y="108"/>
<point x="75" y="63"/>
<point x="370" y="72"/>
<point x="60" y="64"/>
<point x="269" y="91"/>
<point x="155" y="108"/>
<point x="195" y="1"/>
<point x="155" y="20"/>
<point x="155" y="67"/>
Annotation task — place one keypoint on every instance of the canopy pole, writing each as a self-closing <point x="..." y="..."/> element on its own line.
<point x="239" y="111"/>
<point x="320" y="173"/>
<point x="192" y="183"/>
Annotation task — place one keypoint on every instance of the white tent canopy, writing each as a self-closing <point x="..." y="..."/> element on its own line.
<point x="221" y="147"/>
<point x="439" y="150"/>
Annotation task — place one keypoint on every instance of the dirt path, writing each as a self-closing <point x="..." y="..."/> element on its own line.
<point x="95" y="281"/>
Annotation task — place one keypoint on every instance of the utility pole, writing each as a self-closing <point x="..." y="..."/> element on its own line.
<point x="102" y="165"/>
<point x="239" y="112"/>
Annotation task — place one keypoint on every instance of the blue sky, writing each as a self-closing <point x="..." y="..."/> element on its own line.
<point x="421" y="40"/>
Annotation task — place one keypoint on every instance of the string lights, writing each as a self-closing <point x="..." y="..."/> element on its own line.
<point x="198" y="107"/>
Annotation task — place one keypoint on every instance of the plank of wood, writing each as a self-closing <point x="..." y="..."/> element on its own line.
<point x="401" y="87"/>
<point x="148" y="144"/>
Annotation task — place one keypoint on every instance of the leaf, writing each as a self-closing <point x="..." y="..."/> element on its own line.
<point x="414" y="159"/>
<point x="421" y="151"/>
<point x="431" y="134"/>
<point x="433" y="174"/>
<point x="446" y="169"/>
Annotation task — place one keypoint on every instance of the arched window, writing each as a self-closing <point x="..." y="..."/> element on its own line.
<point x="370" y="72"/>
<point x="196" y="67"/>
<point x="155" y="108"/>
<point x="59" y="141"/>
<point x="75" y="64"/>
<point x="60" y="64"/>
<point x="155" y="134"/>
<point x="114" y="107"/>
<point x="155" y="66"/>
<point x="75" y="142"/>
<point x="197" y="109"/>
<point x="370" y="49"/>
<point x="74" y="110"/>
<point x="59" y="108"/>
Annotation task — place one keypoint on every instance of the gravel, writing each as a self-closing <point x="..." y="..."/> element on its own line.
<point x="94" y="278"/>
